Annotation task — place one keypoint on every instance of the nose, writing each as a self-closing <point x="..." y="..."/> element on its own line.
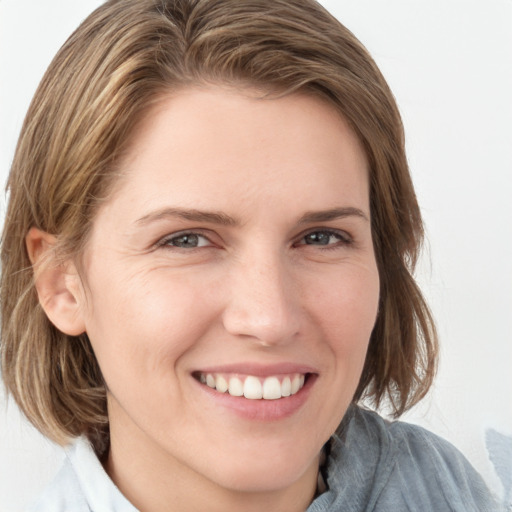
<point x="263" y="302"/>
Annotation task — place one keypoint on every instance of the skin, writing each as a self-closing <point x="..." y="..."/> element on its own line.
<point x="253" y="292"/>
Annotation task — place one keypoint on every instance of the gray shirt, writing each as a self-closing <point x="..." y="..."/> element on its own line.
<point x="380" y="466"/>
<point x="371" y="465"/>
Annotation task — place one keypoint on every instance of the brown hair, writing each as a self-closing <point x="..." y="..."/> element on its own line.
<point x="124" y="56"/>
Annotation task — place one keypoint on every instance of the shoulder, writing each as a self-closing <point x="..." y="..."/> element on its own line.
<point x="82" y="485"/>
<point x="408" y="468"/>
<point x="64" y="494"/>
<point x="426" y="469"/>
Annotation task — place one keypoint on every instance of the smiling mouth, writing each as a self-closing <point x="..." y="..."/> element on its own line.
<point x="252" y="387"/>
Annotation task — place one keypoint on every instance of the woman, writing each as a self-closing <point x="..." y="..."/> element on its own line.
<point x="207" y="264"/>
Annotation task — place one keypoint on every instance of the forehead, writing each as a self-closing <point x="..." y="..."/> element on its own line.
<point x="220" y="148"/>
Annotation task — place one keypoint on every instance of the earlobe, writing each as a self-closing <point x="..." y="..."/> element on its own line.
<point x="57" y="283"/>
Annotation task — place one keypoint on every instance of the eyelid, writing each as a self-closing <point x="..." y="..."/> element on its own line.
<point x="345" y="237"/>
<point x="164" y="241"/>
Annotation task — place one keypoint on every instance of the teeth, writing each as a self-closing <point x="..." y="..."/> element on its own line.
<point x="221" y="384"/>
<point x="271" y="388"/>
<point x="286" y="387"/>
<point x="210" y="381"/>
<point x="295" y="384"/>
<point x="236" y="387"/>
<point x="255" y="388"/>
<point x="252" y="388"/>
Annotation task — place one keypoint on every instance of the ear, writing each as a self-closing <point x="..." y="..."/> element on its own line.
<point x="58" y="284"/>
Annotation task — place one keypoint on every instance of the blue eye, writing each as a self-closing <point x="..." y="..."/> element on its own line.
<point x="324" y="238"/>
<point x="187" y="241"/>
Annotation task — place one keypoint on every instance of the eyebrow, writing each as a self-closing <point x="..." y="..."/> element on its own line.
<point x="189" y="214"/>
<point x="332" y="214"/>
<point x="226" y="220"/>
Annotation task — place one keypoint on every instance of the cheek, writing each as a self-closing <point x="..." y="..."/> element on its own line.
<point x="346" y="310"/>
<point x="141" y="325"/>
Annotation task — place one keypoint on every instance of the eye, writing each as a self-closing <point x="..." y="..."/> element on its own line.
<point x="325" y="238"/>
<point x="186" y="241"/>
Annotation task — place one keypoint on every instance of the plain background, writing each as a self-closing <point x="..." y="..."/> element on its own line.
<point x="449" y="63"/>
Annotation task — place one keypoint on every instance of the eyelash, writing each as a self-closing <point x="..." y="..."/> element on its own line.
<point x="343" y="239"/>
<point x="166" y="241"/>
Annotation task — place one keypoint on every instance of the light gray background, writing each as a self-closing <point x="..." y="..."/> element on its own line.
<point x="449" y="63"/>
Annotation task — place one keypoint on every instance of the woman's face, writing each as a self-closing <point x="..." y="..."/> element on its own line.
<point x="235" y="253"/>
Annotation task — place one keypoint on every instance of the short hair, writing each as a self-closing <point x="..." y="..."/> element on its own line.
<point x="121" y="59"/>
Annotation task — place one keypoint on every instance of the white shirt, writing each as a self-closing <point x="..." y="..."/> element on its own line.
<point x="82" y="485"/>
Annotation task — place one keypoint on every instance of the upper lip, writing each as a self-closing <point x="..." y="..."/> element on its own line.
<point x="258" y="370"/>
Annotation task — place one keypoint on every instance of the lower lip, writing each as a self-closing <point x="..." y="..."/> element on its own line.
<point x="261" y="410"/>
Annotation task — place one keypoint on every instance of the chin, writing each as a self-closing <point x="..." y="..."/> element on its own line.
<point x="269" y="479"/>
<point x="263" y="471"/>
